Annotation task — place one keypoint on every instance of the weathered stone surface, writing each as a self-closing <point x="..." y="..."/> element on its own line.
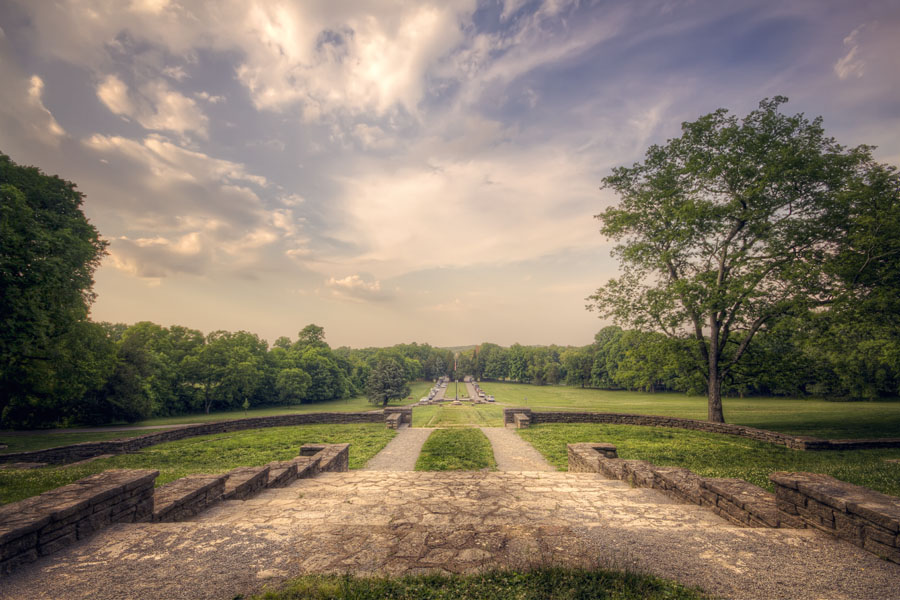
<point x="243" y="482"/>
<point x="45" y="524"/>
<point x="864" y="517"/>
<point x="397" y="522"/>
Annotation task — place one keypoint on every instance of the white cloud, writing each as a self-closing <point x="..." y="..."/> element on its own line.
<point x="156" y="107"/>
<point x="851" y="64"/>
<point x="356" y="289"/>
<point x="49" y="126"/>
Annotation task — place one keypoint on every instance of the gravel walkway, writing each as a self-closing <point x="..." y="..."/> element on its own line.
<point x="512" y="453"/>
<point x="401" y="452"/>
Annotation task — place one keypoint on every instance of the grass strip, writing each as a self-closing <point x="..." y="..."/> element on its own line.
<point x="716" y="455"/>
<point x="466" y="415"/>
<point x="540" y="584"/>
<point x="206" y="454"/>
<point x="456" y="450"/>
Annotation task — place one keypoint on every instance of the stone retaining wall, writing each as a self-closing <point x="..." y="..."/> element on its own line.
<point x="43" y="524"/>
<point x="46" y="523"/>
<point x="864" y="517"/>
<point x="735" y="500"/>
<point x="511" y="417"/>
<point x="405" y="413"/>
<point x="85" y="450"/>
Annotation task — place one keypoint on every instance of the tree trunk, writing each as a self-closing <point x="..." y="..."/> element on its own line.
<point x="714" y="396"/>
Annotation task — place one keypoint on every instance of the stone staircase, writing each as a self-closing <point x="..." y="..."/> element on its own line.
<point x="410" y="522"/>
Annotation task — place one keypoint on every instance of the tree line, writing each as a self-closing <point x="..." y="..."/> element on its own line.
<point x="820" y="356"/>
<point x="101" y="373"/>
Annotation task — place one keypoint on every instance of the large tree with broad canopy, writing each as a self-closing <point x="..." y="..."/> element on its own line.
<point x="734" y="225"/>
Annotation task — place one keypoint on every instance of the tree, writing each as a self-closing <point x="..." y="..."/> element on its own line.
<point x="292" y="384"/>
<point x="48" y="254"/>
<point x="386" y="382"/>
<point x="725" y="230"/>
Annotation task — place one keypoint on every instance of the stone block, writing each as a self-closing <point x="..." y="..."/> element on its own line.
<point x="886" y="552"/>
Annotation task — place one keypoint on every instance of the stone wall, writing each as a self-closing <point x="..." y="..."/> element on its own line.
<point x="735" y="500"/>
<point x="85" y="450"/>
<point x="43" y="524"/>
<point x="405" y="413"/>
<point x="864" y="517"/>
<point x="762" y="435"/>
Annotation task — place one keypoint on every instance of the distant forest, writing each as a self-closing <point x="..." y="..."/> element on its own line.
<point x="127" y="373"/>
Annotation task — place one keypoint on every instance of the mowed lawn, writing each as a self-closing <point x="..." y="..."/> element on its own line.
<point x="717" y="455"/>
<point x="818" y="418"/>
<point x="38" y="440"/>
<point x="466" y="449"/>
<point x="206" y="454"/>
<point x="465" y="415"/>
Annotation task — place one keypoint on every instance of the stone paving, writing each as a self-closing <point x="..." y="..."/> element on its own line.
<point x="401" y="453"/>
<point x="512" y="453"/>
<point x="408" y="522"/>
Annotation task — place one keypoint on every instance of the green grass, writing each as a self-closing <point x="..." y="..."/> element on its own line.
<point x="549" y="583"/>
<point x="465" y="415"/>
<point x="206" y="454"/>
<point x="456" y="450"/>
<point x="23" y="442"/>
<point x="716" y="455"/>
<point x="818" y="418"/>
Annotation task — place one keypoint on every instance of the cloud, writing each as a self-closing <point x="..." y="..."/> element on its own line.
<point x="23" y="116"/>
<point x="850" y="64"/>
<point x="356" y="289"/>
<point x="155" y="106"/>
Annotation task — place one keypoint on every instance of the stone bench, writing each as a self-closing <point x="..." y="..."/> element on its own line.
<point x="186" y="497"/>
<point x="864" y="517"/>
<point x="46" y="523"/>
<point x="243" y="482"/>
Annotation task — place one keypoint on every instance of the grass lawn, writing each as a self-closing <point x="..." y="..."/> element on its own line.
<point x="206" y="454"/>
<point x="539" y="584"/>
<point x="818" y="418"/>
<point x="456" y="450"/>
<point x="25" y="442"/>
<point x="465" y="415"/>
<point x="716" y="455"/>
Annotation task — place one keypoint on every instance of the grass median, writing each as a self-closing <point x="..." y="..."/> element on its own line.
<point x="717" y="455"/>
<point x="539" y="584"/>
<point x="456" y="450"/>
<point x="205" y="454"/>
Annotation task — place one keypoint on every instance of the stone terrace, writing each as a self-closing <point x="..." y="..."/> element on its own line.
<point x="402" y="522"/>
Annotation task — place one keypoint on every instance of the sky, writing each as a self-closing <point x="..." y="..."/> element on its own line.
<point x="398" y="171"/>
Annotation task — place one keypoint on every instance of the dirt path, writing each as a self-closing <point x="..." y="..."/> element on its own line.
<point x="512" y="453"/>
<point x="401" y="453"/>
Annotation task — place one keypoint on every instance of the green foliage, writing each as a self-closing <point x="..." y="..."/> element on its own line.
<point x="206" y="454"/>
<point x="738" y="224"/>
<point x="48" y="253"/>
<point x="717" y="455"/>
<point x="456" y="450"/>
<point x="292" y="385"/>
<point x="544" y="583"/>
<point x="386" y="382"/>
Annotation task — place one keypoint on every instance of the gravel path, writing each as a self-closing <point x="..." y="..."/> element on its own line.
<point x="512" y="453"/>
<point x="401" y="452"/>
